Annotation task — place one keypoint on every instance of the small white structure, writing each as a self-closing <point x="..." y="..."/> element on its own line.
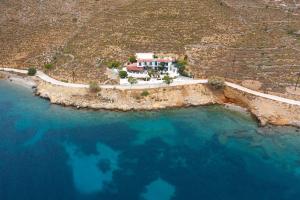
<point x="146" y="61"/>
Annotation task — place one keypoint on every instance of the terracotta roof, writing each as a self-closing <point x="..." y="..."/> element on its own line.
<point x="134" y="67"/>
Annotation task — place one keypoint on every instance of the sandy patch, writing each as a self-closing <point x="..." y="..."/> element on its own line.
<point x="27" y="82"/>
<point x="291" y="90"/>
<point x="252" y="84"/>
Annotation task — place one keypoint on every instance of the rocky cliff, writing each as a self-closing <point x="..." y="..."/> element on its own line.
<point x="134" y="99"/>
<point x="266" y="111"/>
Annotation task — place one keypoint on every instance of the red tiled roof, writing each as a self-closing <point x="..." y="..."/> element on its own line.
<point x="134" y="67"/>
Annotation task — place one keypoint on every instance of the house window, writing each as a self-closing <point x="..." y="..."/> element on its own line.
<point x="145" y="63"/>
<point x="140" y="64"/>
<point x="155" y="63"/>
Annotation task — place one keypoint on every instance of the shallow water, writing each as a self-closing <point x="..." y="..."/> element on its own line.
<point x="52" y="152"/>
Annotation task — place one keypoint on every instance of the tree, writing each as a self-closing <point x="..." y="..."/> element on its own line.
<point x="31" y="71"/>
<point x="94" y="87"/>
<point x="161" y="66"/>
<point x="216" y="83"/>
<point x="123" y="74"/>
<point x="113" y="64"/>
<point x="132" y="80"/>
<point x="167" y="79"/>
<point x="132" y="59"/>
<point x="181" y="69"/>
<point x="181" y="65"/>
<point x="181" y="62"/>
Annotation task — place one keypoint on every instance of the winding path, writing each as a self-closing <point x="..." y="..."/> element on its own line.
<point x="48" y="79"/>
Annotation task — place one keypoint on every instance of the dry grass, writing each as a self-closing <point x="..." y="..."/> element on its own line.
<point x="236" y="39"/>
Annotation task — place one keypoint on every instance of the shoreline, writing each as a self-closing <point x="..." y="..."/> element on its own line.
<point x="26" y="82"/>
<point x="185" y="96"/>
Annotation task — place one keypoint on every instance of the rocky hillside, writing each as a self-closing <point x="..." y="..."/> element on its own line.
<point x="237" y="39"/>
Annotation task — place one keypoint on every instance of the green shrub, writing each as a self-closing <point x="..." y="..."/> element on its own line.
<point x="123" y="74"/>
<point x="31" y="71"/>
<point x="113" y="64"/>
<point x="161" y="66"/>
<point x="132" y="59"/>
<point x="181" y="63"/>
<point x="48" y="66"/>
<point x="181" y="67"/>
<point x="94" y="87"/>
<point x="167" y="79"/>
<point x="216" y="82"/>
<point x="144" y="93"/>
<point x="132" y="80"/>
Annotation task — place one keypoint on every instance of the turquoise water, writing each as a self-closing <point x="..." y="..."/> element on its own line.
<point x="52" y="152"/>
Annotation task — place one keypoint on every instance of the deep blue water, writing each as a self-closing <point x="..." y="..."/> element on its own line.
<point x="52" y="152"/>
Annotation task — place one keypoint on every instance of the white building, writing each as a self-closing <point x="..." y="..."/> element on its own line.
<point x="149" y="60"/>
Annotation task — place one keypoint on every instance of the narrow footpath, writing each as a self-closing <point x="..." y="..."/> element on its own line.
<point x="48" y="79"/>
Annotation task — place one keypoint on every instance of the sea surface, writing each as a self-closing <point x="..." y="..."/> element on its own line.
<point x="49" y="152"/>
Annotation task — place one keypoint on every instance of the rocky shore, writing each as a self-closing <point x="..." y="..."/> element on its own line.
<point x="265" y="110"/>
<point x="28" y="82"/>
<point x="130" y="99"/>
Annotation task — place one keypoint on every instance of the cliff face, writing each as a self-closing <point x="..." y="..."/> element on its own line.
<point x="179" y="96"/>
<point x="266" y="111"/>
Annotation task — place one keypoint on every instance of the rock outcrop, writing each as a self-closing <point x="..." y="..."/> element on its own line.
<point x="132" y="99"/>
<point x="265" y="110"/>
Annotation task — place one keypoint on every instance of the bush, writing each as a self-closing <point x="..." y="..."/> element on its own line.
<point x="144" y="93"/>
<point x="132" y="80"/>
<point x="167" y="79"/>
<point x="161" y="66"/>
<point x="48" y="66"/>
<point x="181" y="67"/>
<point x="31" y="71"/>
<point x="181" y="63"/>
<point x="216" y="82"/>
<point x="132" y="59"/>
<point x="123" y="74"/>
<point x="94" y="87"/>
<point x="113" y="64"/>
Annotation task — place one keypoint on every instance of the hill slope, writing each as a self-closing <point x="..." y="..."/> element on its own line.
<point x="237" y="39"/>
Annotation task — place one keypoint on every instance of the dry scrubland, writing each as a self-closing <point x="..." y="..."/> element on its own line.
<point x="236" y="39"/>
